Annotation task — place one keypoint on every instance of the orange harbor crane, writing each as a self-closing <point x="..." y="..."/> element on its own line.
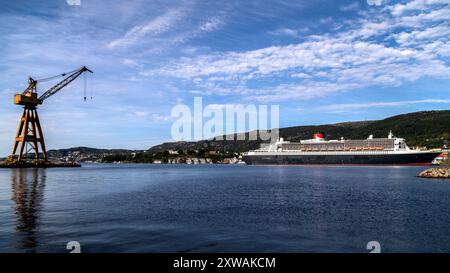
<point x="29" y="132"/>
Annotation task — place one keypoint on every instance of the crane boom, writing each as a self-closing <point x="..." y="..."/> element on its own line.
<point x="29" y="96"/>
<point x="53" y="90"/>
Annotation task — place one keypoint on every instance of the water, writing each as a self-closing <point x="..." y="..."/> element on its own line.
<point x="223" y="208"/>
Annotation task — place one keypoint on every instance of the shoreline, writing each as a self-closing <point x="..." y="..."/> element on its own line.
<point x="441" y="172"/>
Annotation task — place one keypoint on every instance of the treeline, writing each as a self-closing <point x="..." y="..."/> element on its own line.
<point x="181" y="156"/>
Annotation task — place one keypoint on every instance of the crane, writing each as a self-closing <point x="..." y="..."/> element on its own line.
<point x="29" y="130"/>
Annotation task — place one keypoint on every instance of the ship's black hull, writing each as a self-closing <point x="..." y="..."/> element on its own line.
<point x="387" y="159"/>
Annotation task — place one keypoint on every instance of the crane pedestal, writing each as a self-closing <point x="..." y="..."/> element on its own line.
<point x="29" y="137"/>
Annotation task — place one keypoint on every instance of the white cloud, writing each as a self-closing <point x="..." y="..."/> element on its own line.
<point x="131" y="63"/>
<point x="216" y="106"/>
<point x="288" y="32"/>
<point x="415" y="5"/>
<point x="425" y="17"/>
<point x="161" y="118"/>
<point x="347" y="107"/>
<point x="350" y="7"/>
<point x="152" y="27"/>
<point x="418" y="37"/>
<point x="326" y="20"/>
<point x="141" y="113"/>
<point x="73" y="2"/>
<point x="211" y="24"/>
<point x="301" y="75"/>
<point x="358" y="57"/>
<point x="375" y="2"/>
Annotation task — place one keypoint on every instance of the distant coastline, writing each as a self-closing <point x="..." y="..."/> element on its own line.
<point x="427" y="129"/>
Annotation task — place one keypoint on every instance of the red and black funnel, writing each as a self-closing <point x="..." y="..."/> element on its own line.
<point x="318" y="135"/>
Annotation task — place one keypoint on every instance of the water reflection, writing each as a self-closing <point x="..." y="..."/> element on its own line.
<point x="27" y="193"/>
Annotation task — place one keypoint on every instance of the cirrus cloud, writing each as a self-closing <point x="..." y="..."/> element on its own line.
<point x="375" y="2"/>
<point x="352" y="59"/>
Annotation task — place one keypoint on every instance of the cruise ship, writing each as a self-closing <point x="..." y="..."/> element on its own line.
<point x="390" y="151"/>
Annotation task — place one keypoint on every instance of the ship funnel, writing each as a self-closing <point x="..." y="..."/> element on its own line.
<point x="318" y="136"/>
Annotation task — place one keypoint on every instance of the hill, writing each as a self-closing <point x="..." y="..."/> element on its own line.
<point x="86" y="150"/>
<point x="85" y="154"/>
<point x="429" y="129"/>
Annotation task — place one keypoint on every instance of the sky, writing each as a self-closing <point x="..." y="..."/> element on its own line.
<point x="320" y="61"/>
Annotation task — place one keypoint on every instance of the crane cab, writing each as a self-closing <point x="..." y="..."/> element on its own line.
<point x="27" y="98"/>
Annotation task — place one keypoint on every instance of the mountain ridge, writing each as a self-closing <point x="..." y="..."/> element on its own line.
<point x="429" y="129"/>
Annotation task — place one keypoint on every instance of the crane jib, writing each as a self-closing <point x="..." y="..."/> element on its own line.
<point x="53" y="90"/>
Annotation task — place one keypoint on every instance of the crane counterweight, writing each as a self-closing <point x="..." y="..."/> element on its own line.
<point x="27" y="98"/>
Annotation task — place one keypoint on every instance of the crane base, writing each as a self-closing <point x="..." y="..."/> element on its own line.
<point x="42" y="164"/>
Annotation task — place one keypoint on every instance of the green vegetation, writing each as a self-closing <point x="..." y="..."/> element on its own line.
<point x="429" y="129"/>
<point x="85" y="150"/>
<point x="446" y="163"/>
<point x="164" y="157"/>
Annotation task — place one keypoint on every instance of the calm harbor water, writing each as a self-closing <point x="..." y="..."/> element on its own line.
<point x="223" y="208"/>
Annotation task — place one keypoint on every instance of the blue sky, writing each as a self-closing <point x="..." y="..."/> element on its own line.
<point x="321" y="61"/>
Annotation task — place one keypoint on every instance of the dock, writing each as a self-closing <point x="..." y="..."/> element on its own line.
<point x="19" y="165"/>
